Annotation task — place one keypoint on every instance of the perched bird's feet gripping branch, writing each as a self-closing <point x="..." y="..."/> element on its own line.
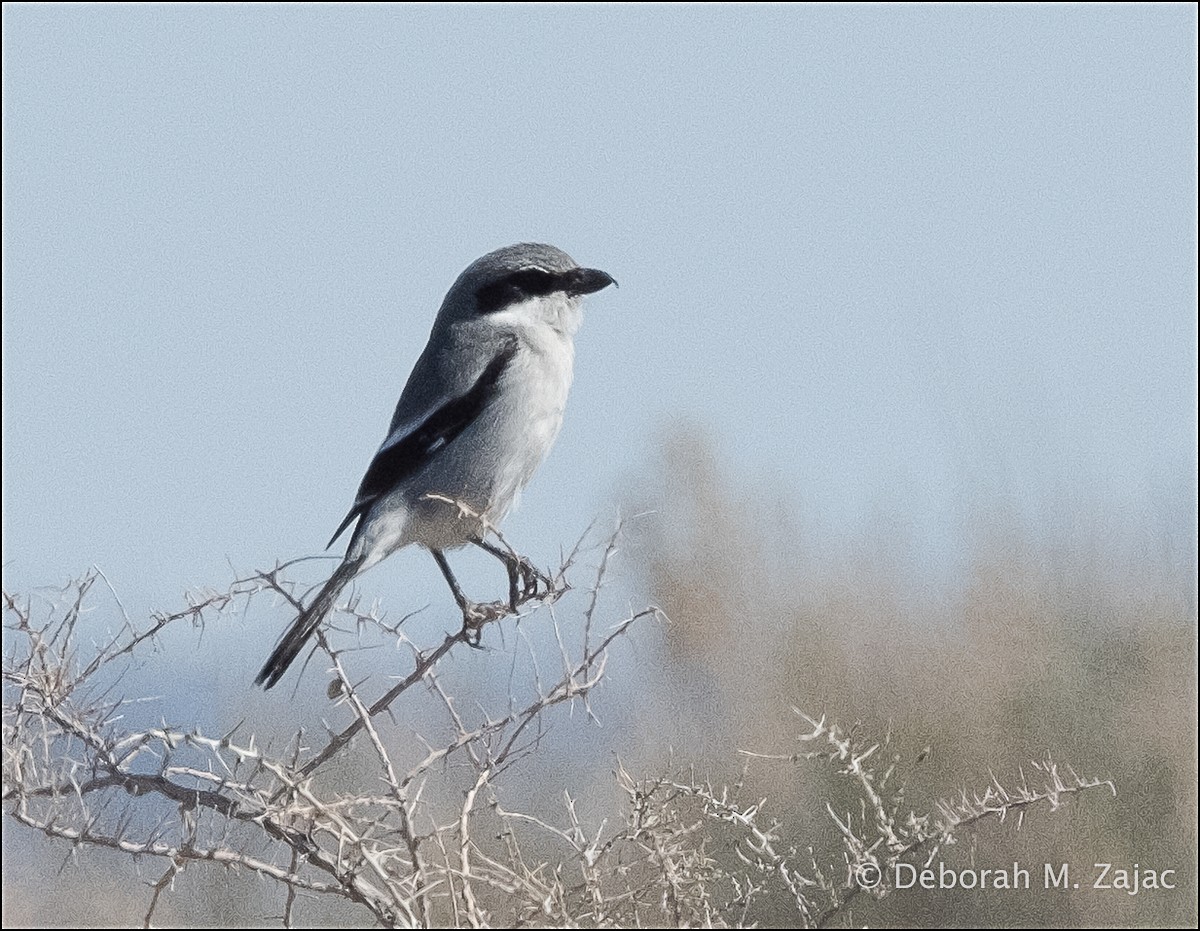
<point x="535" y="584"/>
<point x="477" y="616"/>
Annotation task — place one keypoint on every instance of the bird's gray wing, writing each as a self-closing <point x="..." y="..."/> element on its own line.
<point x="415" y="441"/>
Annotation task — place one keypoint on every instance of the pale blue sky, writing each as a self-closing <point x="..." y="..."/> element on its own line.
<point x="898" y="258"/>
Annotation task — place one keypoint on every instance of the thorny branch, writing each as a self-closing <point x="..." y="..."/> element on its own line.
<point x="428" y="836"/>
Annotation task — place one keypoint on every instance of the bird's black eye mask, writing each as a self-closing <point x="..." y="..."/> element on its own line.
<point x="516" y="287"/>
<point x="535" y="282"/>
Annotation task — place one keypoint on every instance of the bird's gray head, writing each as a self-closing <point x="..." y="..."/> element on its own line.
<point x="517" y="277"/>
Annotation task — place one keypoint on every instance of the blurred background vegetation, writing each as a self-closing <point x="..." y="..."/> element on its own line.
<point x="1079" y="644"/>
<point x="1082" y="645"/>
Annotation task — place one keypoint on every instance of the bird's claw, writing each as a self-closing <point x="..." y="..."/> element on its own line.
<point x="476" y="616"/>
<point x="527" y="583"/>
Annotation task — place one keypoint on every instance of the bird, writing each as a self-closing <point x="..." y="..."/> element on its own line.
<point x="480" y="410"/>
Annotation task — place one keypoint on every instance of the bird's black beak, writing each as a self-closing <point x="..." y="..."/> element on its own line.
<point x="588" y="281"/>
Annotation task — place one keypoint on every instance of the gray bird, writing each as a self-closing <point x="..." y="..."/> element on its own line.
<point x="481" y="409"/>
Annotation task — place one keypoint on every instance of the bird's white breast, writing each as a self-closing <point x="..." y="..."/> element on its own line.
<point x="491" y="462"/>
<point x="539" y="380"/>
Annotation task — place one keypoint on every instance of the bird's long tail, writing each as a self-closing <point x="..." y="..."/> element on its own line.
<point x="306" y="624"/>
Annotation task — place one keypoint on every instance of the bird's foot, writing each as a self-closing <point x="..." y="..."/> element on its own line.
<point x="528" y="583"/>
<point x="477" y="616"/>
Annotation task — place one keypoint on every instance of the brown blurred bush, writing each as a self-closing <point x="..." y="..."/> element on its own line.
<point x="1068" y="647"/>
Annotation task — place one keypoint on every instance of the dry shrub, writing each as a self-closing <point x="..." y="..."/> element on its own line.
<point x="1070" y="646"/>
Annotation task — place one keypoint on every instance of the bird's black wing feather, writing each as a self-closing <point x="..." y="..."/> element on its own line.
<point x="396" y="462"/>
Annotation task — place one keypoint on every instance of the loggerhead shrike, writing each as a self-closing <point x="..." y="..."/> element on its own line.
<point x="481" y="409"/>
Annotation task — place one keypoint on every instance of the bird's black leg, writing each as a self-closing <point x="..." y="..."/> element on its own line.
<point x="523" y="576"/>
<point x="471" y="615"/>
<point x="444" y="565"/>
<point x="511" y="565"/>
